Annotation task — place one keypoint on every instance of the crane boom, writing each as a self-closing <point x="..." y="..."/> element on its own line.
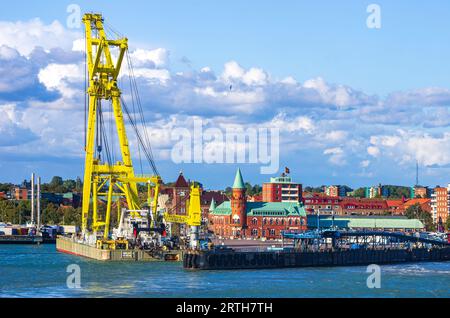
<point x="110" y="180"/>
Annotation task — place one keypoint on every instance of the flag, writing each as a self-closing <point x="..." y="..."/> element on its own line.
<point x="286" y="169"/>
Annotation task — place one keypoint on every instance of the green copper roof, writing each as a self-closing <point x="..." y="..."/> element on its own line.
<point x="213" y="205"/>
<point x="388" y="222"/>
<point x="275" y="209"/>
<point x="264" y="209"/>
<point x="223" y="209"/>
<point x="238" y="181"/>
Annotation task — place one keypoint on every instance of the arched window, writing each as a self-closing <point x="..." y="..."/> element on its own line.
<point x="255" y="221"/>
<point x="254" y="232"/>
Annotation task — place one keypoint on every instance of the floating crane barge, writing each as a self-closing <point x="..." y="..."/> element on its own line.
<point x="141" y="225"/>
<point x="325" y="248"/>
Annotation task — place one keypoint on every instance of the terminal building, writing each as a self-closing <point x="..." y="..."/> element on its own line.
<point x="239" y="218"/>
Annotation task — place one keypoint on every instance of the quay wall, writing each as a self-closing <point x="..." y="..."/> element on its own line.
<point x="216" y="260"/>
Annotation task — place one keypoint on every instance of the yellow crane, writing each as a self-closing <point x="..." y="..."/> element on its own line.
<point x="194" y="217"/>
<point x="108" y="180"/>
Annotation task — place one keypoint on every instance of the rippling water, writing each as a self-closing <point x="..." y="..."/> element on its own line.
<point x="40" y="271"/>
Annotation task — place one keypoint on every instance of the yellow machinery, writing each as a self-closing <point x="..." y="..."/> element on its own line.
<point x="194" y="217"/>
<point x="109" y="180"/>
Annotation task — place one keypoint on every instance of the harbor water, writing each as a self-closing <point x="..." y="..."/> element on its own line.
<point x="40" y="271"/>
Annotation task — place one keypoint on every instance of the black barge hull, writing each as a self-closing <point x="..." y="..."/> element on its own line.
<point x="220" y="260"/>
<point x="20" y="239"/>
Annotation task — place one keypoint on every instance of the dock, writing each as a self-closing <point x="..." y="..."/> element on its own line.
<point x="325" y="248"/>
<point x="71" y="246"/>
<point x="21" y="239"/>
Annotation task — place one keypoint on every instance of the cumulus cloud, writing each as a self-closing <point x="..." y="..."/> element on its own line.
<point x="11" y="129"/>
<point x="336" y="156"/>
<point x="24" y="36"/>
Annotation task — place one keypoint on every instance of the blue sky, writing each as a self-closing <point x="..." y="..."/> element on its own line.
<point x="394" y="80"/>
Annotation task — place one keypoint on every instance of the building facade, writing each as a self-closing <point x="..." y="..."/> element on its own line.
<point x="440" y="204"/>
<point x="239" y="218"/>
<point x="281" y="189"/>
<point x="332" y="191"/>
<point x="316" y="203"/>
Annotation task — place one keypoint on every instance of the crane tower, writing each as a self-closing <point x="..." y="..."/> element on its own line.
<point x="109" y="180"/>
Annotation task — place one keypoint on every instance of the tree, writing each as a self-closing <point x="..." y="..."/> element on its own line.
<point x="51" y="214"/>
<point x="416" y="212"/>
<point x="69" y="185"/>
<point x="359" y="193"/>
<point x="56" y="185"/>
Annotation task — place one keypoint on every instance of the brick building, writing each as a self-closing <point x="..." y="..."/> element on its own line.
<point x="440" y="204"/>
<point x="178" y="195"/>
<point x="281" y="189"/>
<point x="210" y="199"/>
<point x="419" y="192"/>
<point x="239" y="218"/>
<point x="22" y="193"/>
<point x="359" y="206"/>
<point x="323" y="204"/>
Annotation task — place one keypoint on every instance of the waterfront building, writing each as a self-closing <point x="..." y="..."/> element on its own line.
<point x="424" y="203"/>
<point x="281" y="189"/>
<point x="239" y="218"/>
<point x="362" y="206"/>
<point x="208" y="198"/>
<point x="394" y="206"/>
<point x="316" y="203"/>
<point x="440" y="208"/>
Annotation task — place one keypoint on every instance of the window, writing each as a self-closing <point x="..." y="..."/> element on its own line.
<point x="254" y="232"/>
<point x="272" y="232"/>
<point x="255" y="221"/>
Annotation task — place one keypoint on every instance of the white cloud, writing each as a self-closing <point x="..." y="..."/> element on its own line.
<point x="24" y="36"/>
<point x="61" y="77"/>
<point x="336" y="156"/>
<point x="336" y="135"/>
<point x="234" y="72"/>
<point x="156" y="58"/>
<point x="373" y="151"/>
<point x="364" y="163"/>
<point x="296" y="124"/>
